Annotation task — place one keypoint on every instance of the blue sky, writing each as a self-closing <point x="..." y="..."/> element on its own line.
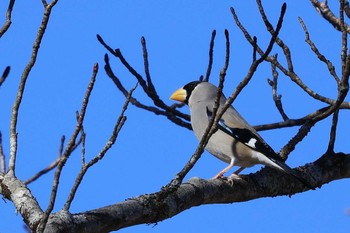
<point x="150" y="150"/>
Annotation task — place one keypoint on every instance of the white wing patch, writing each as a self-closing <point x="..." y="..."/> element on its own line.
<point x="252" y="143"/>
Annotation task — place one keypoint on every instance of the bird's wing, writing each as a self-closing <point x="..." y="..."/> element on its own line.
<point x="247" y="137"/>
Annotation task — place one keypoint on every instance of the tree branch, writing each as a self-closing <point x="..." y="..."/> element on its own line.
<point x="276" y="98"/>
<point x="176" y="118"/>
<point x="320" y="56"/>
<point x="289" y="72"/>
<point x="2" y="157"/>
<point x="21" y="87"/>
<point x="8" y="22"/>
<point x="4" y="75"/>
<point x="327" y="14"/>
<point x="211" y="55"/>
<point x="48" y="168"/>
<point x="68" y="150"/>
<point x="118" y="126"/>
<point x="149" y="208"/>
<point x="210" y="129"/>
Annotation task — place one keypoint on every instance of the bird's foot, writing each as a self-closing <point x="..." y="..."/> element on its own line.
<point x="234" y="176"/>
<point x="219" y="175"/>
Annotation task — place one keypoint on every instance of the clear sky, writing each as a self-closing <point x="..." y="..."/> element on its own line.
<point x="150" y="149"/>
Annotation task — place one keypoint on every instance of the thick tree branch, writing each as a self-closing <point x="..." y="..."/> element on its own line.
<point x="326" y="13"/>
<point x="149" y="208"/>
<point x="17" y="192"/>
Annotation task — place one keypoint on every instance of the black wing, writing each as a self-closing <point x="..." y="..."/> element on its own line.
<point x="247" y="137"/>
<point x="251" y="140"/>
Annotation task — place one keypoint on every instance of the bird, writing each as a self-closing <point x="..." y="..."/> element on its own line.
<point x="235" y="141"/>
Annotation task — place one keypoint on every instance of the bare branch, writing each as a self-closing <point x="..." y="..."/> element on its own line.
<point x="299" y="121"/>
<point x="211" y="52"/>
<point x="2" y="156"/>
<point x="320" y="56"/>
<point x="302" y="133"/>
<point x="18" y="193"/>
<point x="152" y="208"/>
<point x="48" y="168"/>
<point x="25" y="74"/>
<point x="4" y="75"/>
<point x="171" y="113"/>
<point x="8" y="22"/>
<point x="333" y="132"/>
<point x="255" y="44"/>
<point x="150" y="85"/>
<point x="44" y="3"/>
<point x="118" y="126"/>
<point x="327" y="14"/>
<point x="347" y="9"/>
<point x="69" y="148"/>
<point x="276" y="98"/>
<point x="210" y="129"/>
<point x="279" y="42"/>
<point x="256" y="63"/>
<point x="286" y="71"/>
<point x="177" y="119"/>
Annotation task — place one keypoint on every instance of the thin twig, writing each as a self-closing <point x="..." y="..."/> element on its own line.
<point x="83" y="140"/>
<point x="277" y="98"/>
<point x="302" y="133"/>
<point x="333" y="132"/>
<point x="257" y="62"/>
<point x="297" y="122"/>
<point x="150" y="93"/>
<point x="211" y="128"/>
<point x="44" y="3"/>
<point x="211" y="55"/>
<point x="286" y="71"/>
<point x="21" y="87"/>
<point x="176" y="118"/>
<point x="4" y="75"/>
<point x="8" y="22"/>
<point x="118" y="126"/>
<point x="344" y="50"/>
<point x="343" y="87"/>
<point x="68" y="149"/>
<point x="50" y="167"/>
<point x="347" y="9"/>
<point x="279" y="41"/>
<point x="255" y="43"/>
<point x="2" y="156"/>
<point x="150" y="85"/>
<point x="320" y="56"/>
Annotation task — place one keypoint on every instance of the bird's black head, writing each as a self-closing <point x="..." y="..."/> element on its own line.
<point x="189" y="87"/>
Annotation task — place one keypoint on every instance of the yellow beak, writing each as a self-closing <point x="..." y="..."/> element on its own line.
<point x="179" y="95"/>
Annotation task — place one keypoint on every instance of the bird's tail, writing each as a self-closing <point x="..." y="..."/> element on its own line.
<point x="294" y="173"/>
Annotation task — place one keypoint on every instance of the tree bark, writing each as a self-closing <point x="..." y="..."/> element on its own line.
<point x="151" y="208"/>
